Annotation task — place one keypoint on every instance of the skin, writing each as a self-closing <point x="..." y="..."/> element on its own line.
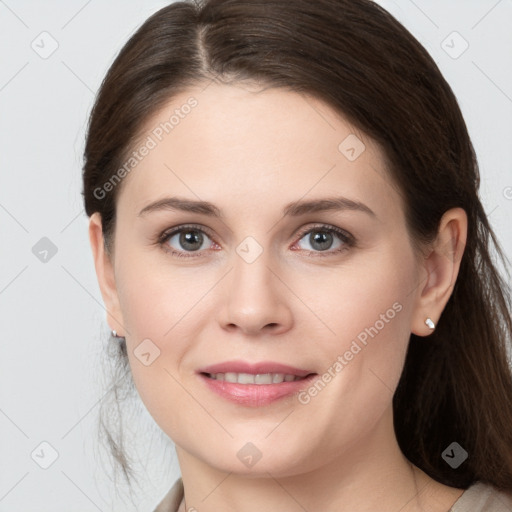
<point x="251" y="151"/>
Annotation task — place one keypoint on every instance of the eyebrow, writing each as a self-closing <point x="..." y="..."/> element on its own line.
<point x="293" y="209"/>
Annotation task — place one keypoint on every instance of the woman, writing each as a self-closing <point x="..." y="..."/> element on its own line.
<point x="287" y="234"/>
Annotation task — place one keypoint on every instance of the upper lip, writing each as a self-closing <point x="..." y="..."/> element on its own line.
<point x="254" y="368"/>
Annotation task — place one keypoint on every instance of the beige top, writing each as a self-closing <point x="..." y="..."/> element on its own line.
<point x="477" y="498"/>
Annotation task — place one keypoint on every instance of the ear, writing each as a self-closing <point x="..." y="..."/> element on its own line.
<point x="105" y="274"/>
<point x="439" y="270"/>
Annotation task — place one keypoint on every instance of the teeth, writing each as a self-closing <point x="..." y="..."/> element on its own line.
<point x="249" y="378"/>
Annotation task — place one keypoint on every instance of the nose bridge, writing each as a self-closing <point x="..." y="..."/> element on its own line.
<point x="254" y="298"/>
<point x="252" y="268"/>
<point x="252" y="275"/>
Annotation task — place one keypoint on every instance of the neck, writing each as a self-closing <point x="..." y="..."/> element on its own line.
<point x="372" y="475"/>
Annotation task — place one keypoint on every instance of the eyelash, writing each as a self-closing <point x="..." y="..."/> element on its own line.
<point x="347" y="239"/>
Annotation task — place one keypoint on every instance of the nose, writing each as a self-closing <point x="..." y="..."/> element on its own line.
<point x="255" y="300"/>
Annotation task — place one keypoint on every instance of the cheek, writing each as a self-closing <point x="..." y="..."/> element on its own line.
<point x="366" y="307"/>
<point x="371" y="292"/>
<point x="156" y="298"/>
<point x="369" y="309"/>
<point x="164" y="311"/>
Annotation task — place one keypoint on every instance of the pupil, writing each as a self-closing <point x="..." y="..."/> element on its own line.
<point x="324" y="240"/>
<point x="189" y="238"/>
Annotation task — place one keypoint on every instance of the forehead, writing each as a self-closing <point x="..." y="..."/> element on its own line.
<point x="222" y="142"/>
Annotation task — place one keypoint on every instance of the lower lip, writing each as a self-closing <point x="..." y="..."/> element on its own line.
<point x="256" y="395"/>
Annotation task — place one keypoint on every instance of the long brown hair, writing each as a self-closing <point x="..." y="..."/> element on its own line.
<point x="456" y="385"/>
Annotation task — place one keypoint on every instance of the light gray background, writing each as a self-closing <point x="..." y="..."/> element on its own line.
<point x="53" y="321"/>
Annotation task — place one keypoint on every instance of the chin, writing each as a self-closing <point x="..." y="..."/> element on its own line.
<point x="257" y="459"/>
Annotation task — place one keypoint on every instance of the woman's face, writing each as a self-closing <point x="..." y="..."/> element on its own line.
<point x="275" y="277"/>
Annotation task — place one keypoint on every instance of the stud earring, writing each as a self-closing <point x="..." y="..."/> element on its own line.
<point x="430" y="323"/>
<point x="114" y="333"/>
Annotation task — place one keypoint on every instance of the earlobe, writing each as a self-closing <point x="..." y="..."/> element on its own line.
<point x="440" y="268"/>
<point x="105" y="274"/>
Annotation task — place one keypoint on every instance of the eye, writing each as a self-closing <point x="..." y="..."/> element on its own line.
<point x="322" y="238"/>
<point x="191" y="240"/>
<point x="185" y="239"/>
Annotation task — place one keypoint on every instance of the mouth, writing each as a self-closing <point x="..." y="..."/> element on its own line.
<point x="251" y="378"/>
<point x="255" y="384"/>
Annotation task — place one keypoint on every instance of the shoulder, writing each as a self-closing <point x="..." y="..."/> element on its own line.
<point x="482" y="497"/>
<point x="479" y="497"/>
<point x="172" y="500"/>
